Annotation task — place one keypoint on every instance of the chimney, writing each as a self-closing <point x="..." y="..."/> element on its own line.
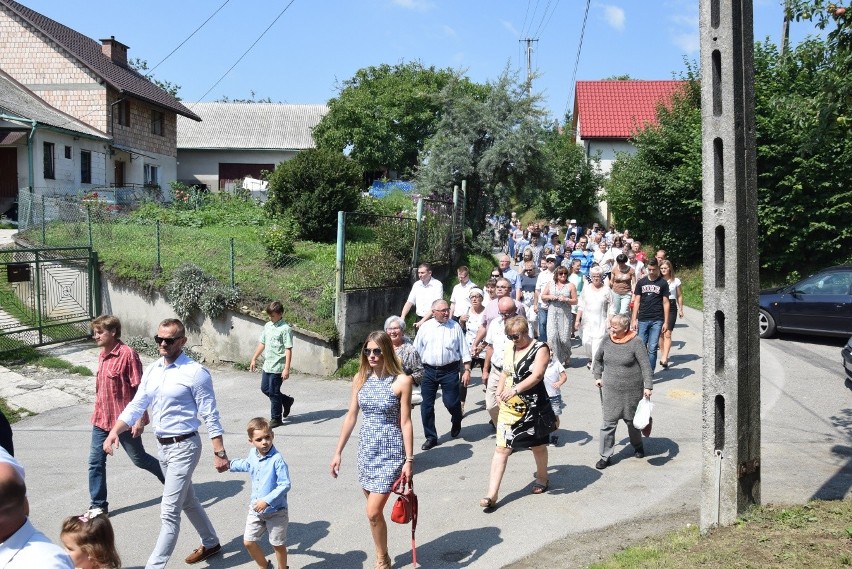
<point x="115" y="50"/>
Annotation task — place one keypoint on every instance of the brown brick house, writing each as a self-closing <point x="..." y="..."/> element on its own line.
<point x="93" y="82"/>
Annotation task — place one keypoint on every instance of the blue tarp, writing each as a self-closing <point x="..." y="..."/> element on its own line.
<point x="380" y="189"/>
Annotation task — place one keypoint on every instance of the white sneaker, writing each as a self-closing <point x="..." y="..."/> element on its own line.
<point x="416" y="398"/>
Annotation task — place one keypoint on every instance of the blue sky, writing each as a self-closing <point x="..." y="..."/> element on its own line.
<point x="317" y="43"/>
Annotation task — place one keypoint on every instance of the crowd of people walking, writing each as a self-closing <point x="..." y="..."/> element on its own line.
<point x="550" y="297"/>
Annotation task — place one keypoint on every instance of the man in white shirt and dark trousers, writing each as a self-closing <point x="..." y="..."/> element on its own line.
<point x="444" y="352"/>
<point x="423" y="293"/>
<point x="460" y="297"/>
<point x="176" y="390"/>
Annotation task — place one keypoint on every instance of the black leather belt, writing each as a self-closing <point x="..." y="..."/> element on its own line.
<point x="498" y="368"/>
<point x="177" y="439"/>
<point x="449" y="367"/>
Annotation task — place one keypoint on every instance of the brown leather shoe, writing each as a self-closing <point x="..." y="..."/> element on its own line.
<point x="202" y="553"/>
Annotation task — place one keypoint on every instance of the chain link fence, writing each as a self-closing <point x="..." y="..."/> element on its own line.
<point x="378" y="250"/>
<point x="147" y="252"/>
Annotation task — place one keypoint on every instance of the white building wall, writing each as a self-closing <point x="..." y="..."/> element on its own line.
<point x="202" y="166"/>
<point x="67" y="170"/>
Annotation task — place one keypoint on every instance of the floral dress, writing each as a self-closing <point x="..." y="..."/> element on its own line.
<point x="381" y="452"/>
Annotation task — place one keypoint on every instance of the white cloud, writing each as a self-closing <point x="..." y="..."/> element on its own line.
<point x="689" y="43"/>
<point x="448" y="31"/>
<point x="419" y="5"/>
<point x="614" y="16"/>
<point x="508" y="25"/>
<point x="683" y="29"/>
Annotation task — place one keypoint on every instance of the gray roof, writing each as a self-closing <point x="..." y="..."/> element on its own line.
<point x="257" y="126"/>
<point x="18" y="101"/>
<point x="88" y="52"/>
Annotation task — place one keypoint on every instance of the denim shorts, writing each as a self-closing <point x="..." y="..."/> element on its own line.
<point x="275" y="524"/>
<point x="556" y="403"/>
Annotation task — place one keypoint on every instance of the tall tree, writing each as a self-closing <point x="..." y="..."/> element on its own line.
<point x="383" y="115"/>
<point x="492" y="138"/>
<point x="656" y="193"/>
<point x="572" y="179"/>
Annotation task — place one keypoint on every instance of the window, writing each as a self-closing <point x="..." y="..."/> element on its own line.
<point x="85" y="167"/>
<point x="49" y="164"/>
<point x="68" y="152"/>
<point x="152" y="175"/>
<point x="122" y="113"/>
<point x="157" y="120"/>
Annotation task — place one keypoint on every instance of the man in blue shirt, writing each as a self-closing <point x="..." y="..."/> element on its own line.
<point x="176" y="390"/>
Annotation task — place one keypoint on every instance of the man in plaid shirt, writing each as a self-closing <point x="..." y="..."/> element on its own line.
<point x="118" y="377"/>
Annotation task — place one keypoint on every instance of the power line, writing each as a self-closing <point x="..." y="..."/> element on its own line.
<point x="247" y="51"/>
<point x="189" y="36"/>
<point x="532" y="18"/>
<point x="543" y="16"/>
<point x="526" y="14"/>
<point x="577" y="61"/>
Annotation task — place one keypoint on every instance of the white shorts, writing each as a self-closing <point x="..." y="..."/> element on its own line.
<point x="275" y="524"/>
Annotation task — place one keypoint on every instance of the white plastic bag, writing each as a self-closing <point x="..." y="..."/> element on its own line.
<point x="643" y="413"/>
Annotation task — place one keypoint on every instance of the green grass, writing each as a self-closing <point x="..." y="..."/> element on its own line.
<point x="693" y="283"/>
<point x="128" y="253"/>
<point x="816" y="535"/>
<point x="27" y="355"/>
<point x="13" y="415"/>
<point x="349" y="368"/>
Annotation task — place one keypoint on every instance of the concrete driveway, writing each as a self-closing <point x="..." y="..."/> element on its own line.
<point x="807" y="452"/>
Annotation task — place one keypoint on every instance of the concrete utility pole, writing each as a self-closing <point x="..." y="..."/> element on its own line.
<point x="529" y="42"/>
<point x="730" y="475"/>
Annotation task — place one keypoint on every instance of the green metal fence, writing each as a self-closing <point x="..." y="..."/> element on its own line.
<point x="47" y="295"/>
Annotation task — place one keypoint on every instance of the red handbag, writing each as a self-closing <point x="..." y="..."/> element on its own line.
<point x="405" y="509"/>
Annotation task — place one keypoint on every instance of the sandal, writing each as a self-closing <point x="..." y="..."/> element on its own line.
<point x="487" y="504"/>
<point x="539" y="488"/>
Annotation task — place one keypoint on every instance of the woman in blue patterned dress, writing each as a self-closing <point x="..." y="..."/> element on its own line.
<point x="382" y="391"/>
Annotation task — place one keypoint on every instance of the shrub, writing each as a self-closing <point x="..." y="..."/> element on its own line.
<point x="191" y="289"/>
<point x="313" y="187"/>
<point x="279" y="240"/>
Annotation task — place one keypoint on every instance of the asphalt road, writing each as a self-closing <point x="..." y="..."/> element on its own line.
<point x="806" y="453"/>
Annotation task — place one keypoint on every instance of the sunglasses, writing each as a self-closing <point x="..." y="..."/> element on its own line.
<point x="513" y="337"/>
<point x="169" y="341"/>
<point x="376" y="352"/>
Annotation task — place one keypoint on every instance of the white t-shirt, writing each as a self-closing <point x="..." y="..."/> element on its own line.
<point x="422" y="296"/>
<point x="496" y="336"/>
<point x="460" y="298"/>
<point x="474" y="322"/>
<point x="551" y="376"/>
<point x="673" y="286"/>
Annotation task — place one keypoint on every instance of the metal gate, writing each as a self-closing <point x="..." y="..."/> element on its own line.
<point x="47" y="295"/>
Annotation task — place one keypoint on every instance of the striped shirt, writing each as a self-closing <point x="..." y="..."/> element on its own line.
<point x="118" y="376"/>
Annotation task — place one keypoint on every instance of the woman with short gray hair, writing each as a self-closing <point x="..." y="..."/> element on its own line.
<point x="623" y="374"/>
<point x="408" y="356"/>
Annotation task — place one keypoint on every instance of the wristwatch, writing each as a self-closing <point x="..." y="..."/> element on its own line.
<point x="221" y="453"/>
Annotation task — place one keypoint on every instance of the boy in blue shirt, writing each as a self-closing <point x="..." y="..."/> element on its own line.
<point x="270" y="482"/>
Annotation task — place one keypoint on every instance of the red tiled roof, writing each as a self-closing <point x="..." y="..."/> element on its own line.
<point x="88" y="52"/>
<point x="616" y="109"/>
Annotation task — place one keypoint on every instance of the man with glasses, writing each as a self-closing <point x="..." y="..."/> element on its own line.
<point x="177" y="390"/>
<point x="116" y="382"/>
<point x="492" y="312"/>
<point x="495" y="340"/>
<point x="444" y="351"/>
<point x="423" y="293"/>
